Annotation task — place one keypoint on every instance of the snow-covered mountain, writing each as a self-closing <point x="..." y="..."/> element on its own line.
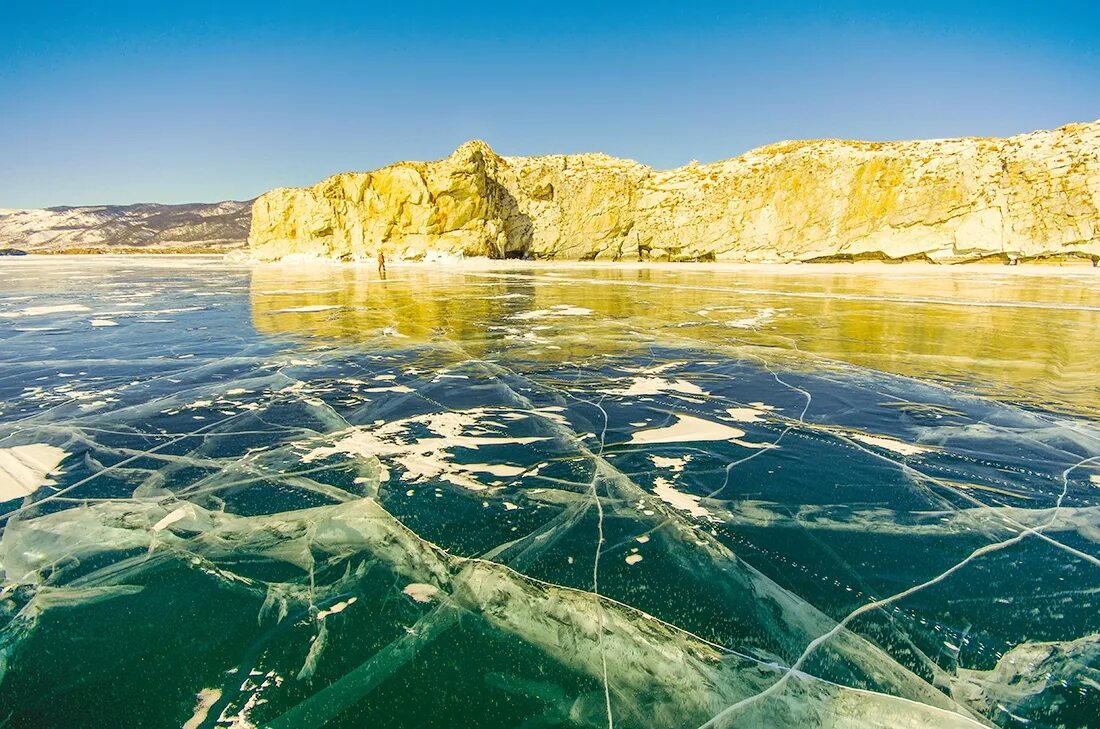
<point x="151" y="227"/>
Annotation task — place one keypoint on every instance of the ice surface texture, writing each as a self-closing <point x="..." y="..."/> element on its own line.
<point x="547" y="496"/>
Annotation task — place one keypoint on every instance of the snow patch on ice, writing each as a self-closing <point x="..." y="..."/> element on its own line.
<point x="557" y="310"/>
<point x="206" y="700"/>
<point x="337" y="608"/>
<point x="664" y="490"/>
<point x="890" y="444"/>
<point x="687" y="429"/>
<point x="655" y="386"/>
<point x="421" y="591"/>
<point x="755" y="413"/>
<point x="25" y="468"/>
<point x="428" y="457"/>
<point x="181" y="513"/>
<point x="676" y="465"/>
<point x="42" y="310"/>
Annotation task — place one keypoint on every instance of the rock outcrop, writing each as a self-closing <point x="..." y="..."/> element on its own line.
<point x="1029" y="196"/>
<point x="145" y="227"/>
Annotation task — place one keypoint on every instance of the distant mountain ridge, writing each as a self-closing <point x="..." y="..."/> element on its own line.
<point x="137" y="228"/>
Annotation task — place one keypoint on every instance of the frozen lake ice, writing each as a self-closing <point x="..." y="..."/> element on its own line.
<point x="547" y="495"/>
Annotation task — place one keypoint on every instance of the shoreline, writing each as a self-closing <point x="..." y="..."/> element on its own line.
<point x="1044" y="268"/>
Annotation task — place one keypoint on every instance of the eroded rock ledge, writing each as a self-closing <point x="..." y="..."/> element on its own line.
<point x="1031" y="196"/>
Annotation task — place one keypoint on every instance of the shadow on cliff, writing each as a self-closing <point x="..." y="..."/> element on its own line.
<point x="519" y="229"/>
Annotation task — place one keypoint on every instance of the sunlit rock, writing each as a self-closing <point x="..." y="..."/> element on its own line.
<point x="1029" y="196"/>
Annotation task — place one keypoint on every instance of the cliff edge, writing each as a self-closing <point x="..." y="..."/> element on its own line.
<point x="1030" y="196"/>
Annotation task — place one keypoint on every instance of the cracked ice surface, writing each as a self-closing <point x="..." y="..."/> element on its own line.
<point x="531" y="496"/>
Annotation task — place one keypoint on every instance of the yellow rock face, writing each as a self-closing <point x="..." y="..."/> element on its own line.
<point x="1030" y="196"/>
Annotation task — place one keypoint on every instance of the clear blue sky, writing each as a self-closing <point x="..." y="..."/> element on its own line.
<point x="187" y="101"/>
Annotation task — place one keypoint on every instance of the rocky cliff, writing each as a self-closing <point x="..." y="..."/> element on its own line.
<point x="146" y="227"/>
<point x="1030" y="196"/>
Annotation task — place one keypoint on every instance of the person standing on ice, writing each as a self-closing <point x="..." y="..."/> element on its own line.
<point x="381" y="262"/>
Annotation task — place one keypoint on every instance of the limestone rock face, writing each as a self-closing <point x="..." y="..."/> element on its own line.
<point x="1030" y="196"/>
